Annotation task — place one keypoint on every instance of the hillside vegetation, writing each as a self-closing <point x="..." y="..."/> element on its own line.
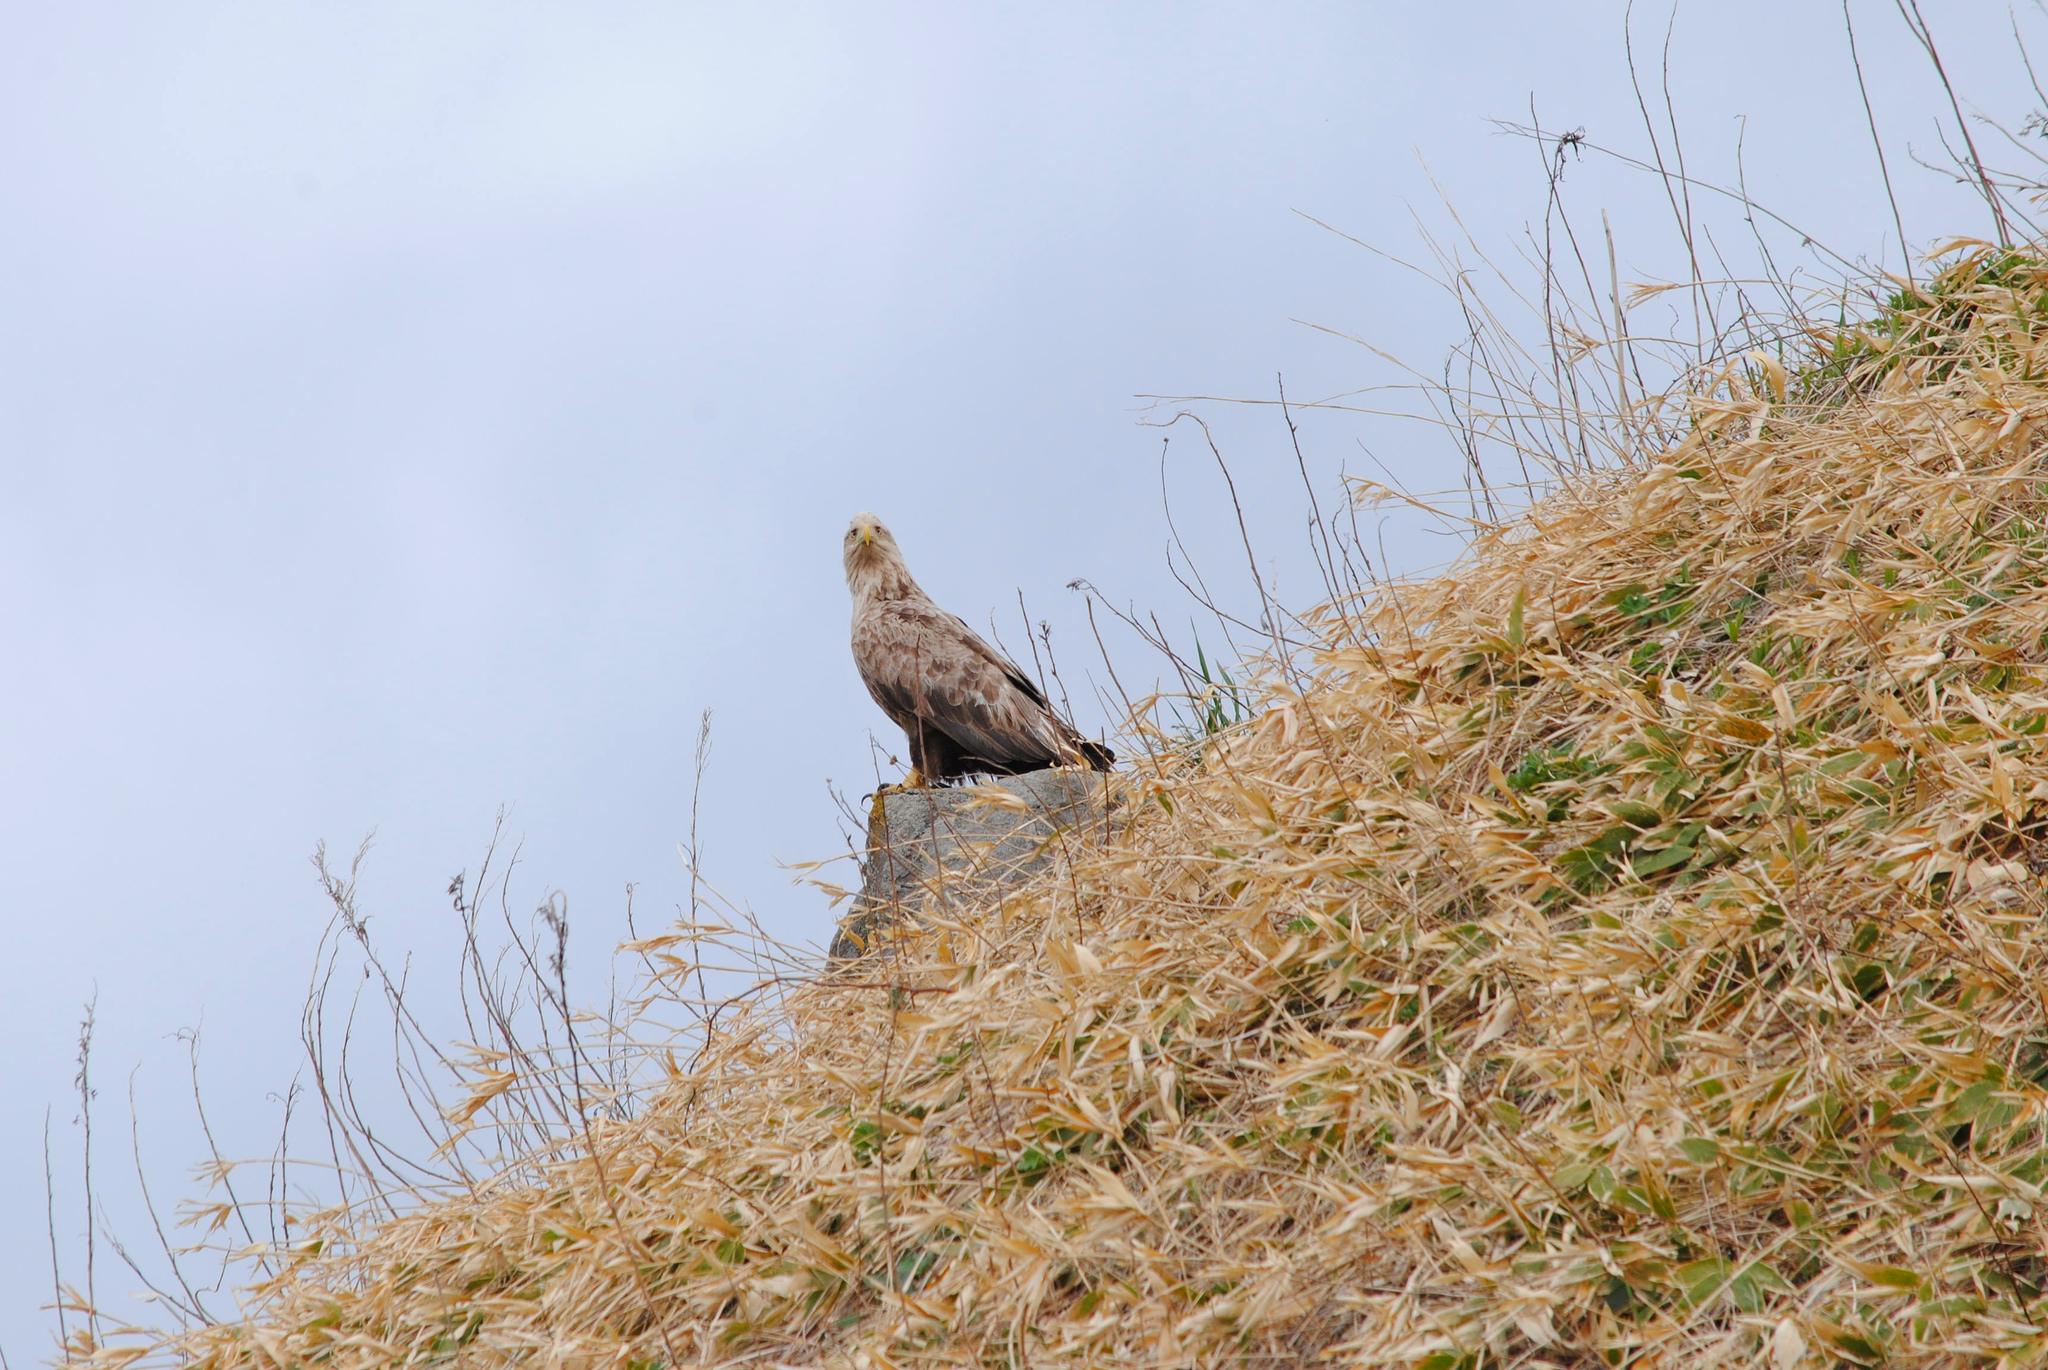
<point x="1625" y="948"/>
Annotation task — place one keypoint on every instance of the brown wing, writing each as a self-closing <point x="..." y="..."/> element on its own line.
<point x="922" y="664"/>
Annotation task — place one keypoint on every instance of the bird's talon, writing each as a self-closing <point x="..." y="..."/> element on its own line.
<point x="913" y="781"/>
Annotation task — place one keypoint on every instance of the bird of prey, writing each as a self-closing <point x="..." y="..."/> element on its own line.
<point x="965" y="709"/>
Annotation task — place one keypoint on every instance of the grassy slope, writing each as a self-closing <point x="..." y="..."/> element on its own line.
<point x="1629" y="940"/>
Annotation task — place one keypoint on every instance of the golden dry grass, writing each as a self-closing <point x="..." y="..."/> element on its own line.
<point x="1625" y="948"/>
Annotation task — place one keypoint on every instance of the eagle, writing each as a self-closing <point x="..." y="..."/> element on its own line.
<point x="965" y="708"/>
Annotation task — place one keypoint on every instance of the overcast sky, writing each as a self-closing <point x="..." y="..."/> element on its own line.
<point x="409" y="410"/>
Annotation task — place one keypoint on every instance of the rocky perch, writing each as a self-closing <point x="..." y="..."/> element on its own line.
<point x="940" y="848"/>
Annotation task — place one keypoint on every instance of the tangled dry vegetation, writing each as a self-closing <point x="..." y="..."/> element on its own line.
<point x="1626" y="948"/>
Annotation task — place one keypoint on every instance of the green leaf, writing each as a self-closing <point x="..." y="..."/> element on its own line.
<point x="1572" y="1176"/>
<point x="1703" y="1279"/>
<point x="1700" y="1150"/>
<point x="1893" y="1277"/>
<point x="1634" y="814"/>
<point x="1748" y="1287"/>
<point x="1661" y="861"/>
<point x="1034" y="1162"/>
<point x="1971" y="1101"/>
<point x="1632" y="1197"/>
<point x="1612" y="841"/>
<point x="865" y="1138"/>
<point x="1585" y="868"/>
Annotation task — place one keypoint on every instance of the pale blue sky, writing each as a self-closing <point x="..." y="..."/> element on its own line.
<point x="408" y="410"/>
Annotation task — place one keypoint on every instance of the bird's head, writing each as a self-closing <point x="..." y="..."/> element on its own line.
<point x="874" y="564"/>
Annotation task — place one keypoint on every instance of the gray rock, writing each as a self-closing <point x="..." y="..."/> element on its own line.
<point x="940" y="849"/>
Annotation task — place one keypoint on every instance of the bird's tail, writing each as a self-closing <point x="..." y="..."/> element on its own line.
<point x="1096" y="755"/>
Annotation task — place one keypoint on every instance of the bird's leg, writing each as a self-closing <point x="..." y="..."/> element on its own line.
<point x="920" y="759"/>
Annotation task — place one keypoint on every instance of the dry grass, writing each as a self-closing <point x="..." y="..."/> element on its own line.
<point x="1625" y="948"/>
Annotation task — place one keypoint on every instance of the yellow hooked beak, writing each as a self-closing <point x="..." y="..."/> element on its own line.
<point x="867" y="532"/>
